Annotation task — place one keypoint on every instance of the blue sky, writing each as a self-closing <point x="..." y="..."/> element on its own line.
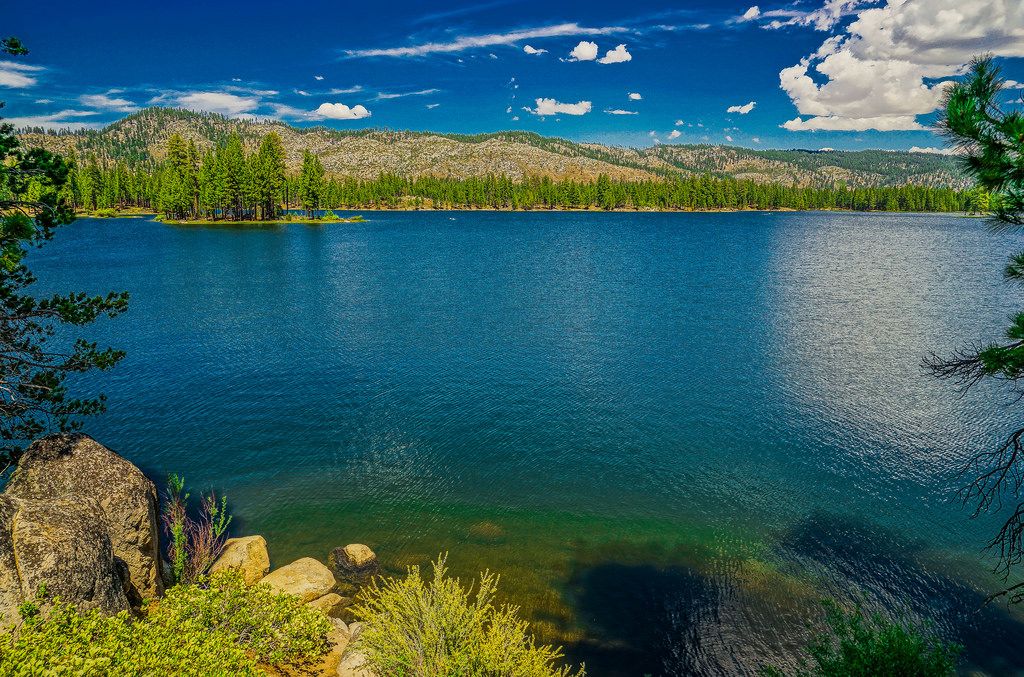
<point x="819" y="73"/>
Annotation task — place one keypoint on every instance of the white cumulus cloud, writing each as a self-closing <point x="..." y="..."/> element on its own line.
<point x="635" y="96"/>
<point x="617" y="55"/>
<point x="674" y="134"/>
<point x="678" y="123"/>
<point x="584" y="51"/>
<point x="339" y="111"/>
<point x="751" y="14"/>
<point x="890" y="64"/>
<point x="742" y="110"/>
<point x="533" y="50"/>
<point x="318" y="77"/>
<point x="553" y="107"/>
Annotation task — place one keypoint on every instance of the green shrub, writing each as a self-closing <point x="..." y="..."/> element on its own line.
<point x="330" y="215"/>
<point x="216" y="627"/>
<point x="856" y="645"/>
<point x="272" y="627"/>
<point x="417" y="628"/>
<point x="193" y="542"/>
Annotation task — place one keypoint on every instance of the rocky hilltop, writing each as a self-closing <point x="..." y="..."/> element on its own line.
<point x="140" y="139"/>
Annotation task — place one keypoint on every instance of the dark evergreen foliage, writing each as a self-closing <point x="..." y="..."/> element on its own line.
<point x="35" y="358"/>
<point x="992" y="143"/>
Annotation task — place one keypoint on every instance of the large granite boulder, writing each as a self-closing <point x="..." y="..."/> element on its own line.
<point x="305" y="578"/>
<point x="75" y="467"/>
<point x="247" y="555"/>
<point x="62" y="545"/>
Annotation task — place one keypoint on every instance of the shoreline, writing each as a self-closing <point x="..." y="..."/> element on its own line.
<point x="623" y="210"/>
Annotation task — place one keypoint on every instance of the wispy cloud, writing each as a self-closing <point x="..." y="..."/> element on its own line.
<point x="347" y="90"/>
<point x="65" y="119"/>
<point x="225" y="103"/>
<point x="13" y="74"/>
<point x="742" y="110"/>
<point x="465" y="42"/>
<point x="383" y="96"/>
<point x="107" y="102"/>
<point x="620" y="111"/>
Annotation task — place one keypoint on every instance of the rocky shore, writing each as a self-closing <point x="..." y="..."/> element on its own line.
<point x="81" y="521"/>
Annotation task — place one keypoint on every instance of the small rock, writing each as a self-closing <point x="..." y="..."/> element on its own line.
<point x="305" y="578"/>
<point x="486" y="531"/>
<point x="331" y="604"/>
<point x="354" y="564"/>
<point x="247" y="555"/>
<point x="353" y="664"/>
<point x="355" y="629"/>
<point x="341" y="626"/>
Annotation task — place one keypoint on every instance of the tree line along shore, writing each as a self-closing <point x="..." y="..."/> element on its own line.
<point x="228" y="184"/>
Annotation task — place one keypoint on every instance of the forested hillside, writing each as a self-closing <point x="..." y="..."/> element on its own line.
<point x="139" y="141"/>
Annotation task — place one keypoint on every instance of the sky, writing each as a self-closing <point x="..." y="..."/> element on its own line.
<point x="843" y="74"/>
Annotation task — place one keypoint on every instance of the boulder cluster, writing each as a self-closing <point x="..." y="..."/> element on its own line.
<point x="81" y="521"/>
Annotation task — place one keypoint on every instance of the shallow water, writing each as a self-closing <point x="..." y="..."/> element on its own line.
<point x="670" y="433"/>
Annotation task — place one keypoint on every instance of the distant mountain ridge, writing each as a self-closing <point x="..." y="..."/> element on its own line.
<point x="140" y="139"/>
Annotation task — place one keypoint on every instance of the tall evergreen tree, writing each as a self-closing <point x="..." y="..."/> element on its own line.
<point x="311" y="183"/>
<point x="267" y="175"/>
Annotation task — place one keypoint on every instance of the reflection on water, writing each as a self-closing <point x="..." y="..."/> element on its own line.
<point x="671" y="433"/>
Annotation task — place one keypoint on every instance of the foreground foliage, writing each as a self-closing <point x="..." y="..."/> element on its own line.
<point x="216" y="627"/>
<point x="418" y="628"/>
<point x="856" y="645"/>
<point x="194" y="542"/>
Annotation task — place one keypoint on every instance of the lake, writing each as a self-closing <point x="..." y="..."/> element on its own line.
<point x="671" y="434"/>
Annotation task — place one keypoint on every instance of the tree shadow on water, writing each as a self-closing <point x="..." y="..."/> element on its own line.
<point x="641" y="619"/>
<point x="850" y="559"/>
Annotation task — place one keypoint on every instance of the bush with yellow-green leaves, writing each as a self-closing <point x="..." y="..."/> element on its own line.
<point x="418" y="628"/>
<point x="216" y="626"/>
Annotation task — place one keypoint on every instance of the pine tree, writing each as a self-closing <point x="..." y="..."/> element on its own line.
<point x="311" y="183"/>
<point x="992" y="143"/>
<point x="35" y="359"/>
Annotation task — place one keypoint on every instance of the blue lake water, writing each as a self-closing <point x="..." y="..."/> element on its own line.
<point x="670" y="433"/>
